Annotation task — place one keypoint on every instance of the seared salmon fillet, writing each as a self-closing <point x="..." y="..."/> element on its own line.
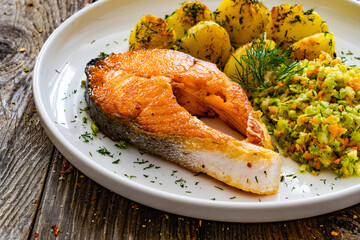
<point x="210" y="90"/>
<point x="126" y="102"/>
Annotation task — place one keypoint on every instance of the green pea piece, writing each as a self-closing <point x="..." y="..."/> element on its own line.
<point x="94" y="128"/>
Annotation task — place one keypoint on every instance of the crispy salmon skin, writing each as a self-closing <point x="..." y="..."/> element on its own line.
<point x="131" y="97"/>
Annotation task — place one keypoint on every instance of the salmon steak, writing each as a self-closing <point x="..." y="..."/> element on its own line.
<point x="149" y="98"/>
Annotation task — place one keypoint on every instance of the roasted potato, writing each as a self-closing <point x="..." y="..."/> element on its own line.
<point x="290" y="24"/>
<point x="243" y="19"/>
<point x="311" y="47"/>
<point x="207" y="41"/>
<point x="187" y="16"/>
<point x="151" y="32"/>
<point x="235" y="66"/>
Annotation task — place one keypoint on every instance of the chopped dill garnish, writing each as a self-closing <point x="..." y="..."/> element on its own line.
<point x="148" y="167"/>
<point x="181" y="182"/>
<point x="83" y="83"/>
<point x="309" y="12"/>
<point x="104" y="151"/>
<point x="131" y="177"/>
<point x="84" y="109"/>
<point x="192" y="10"/>
<point x="102" y="54"/>
<point x="141" y="162"/>
<point x="263" y="66"/>
<point x="86" y="136"/>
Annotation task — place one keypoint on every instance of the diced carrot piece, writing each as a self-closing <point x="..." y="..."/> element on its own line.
<point x="302" y="119"/>
<point x="320" y="95"/>
<point x="308" y="155"/>
<point x="273" y="109"/>
<point x="344" y="142"/>
<point x="337" y="161"/>
<point x="292" y="148"/>
<point x="348" y="100"/>
<point x="355" y="83"/>
<point x="331" y="118"/>
<point x="335" y="130"/>
<point x="315" y="71"/>
<point x="351" y="144"/>
<point x="336" y="62"/>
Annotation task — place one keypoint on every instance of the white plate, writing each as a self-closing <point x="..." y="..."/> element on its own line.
<point x="105" y="27"/>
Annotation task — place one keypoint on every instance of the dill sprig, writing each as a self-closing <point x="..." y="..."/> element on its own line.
<point x="263" y="65"/>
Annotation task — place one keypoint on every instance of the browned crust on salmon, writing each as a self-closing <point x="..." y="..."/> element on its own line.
<point x="201" y="79"/>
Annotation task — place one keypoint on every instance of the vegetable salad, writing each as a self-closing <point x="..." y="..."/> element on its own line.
<point x="315" y="116"/>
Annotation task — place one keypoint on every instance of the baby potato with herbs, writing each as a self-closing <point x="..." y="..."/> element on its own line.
<point x="207" y="41"/>
<point x="290" y="24"/>
<point x="244" y="20"/>
<point x="311" y="47"/>
<point x="151" y="32"/>
<point x="189" y="14"/>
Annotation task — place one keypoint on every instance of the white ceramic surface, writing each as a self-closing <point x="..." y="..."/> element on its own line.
<point x="105" y="27"/>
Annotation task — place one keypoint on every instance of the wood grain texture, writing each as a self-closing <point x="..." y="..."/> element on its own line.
<point x="83" y="209"/>
<point x="322" y="227"/>
<point x="39" y="189"/>
<point x="25" y="151"/>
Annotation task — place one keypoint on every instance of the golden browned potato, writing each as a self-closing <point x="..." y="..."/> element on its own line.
<point x="236" y="67"/>
<point x="207" y="41"/>
<point x="187" y="16"/>
<point x="311" y="47"/>
<point x="244" y="20"/>
<point x="151" y="32"/>
<point x="290" y="24"/>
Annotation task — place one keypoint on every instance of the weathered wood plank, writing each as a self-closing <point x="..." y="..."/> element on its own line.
<point x="345" y="223"/>
<point x="83" y="209"/>
<point x="25" y="151"/>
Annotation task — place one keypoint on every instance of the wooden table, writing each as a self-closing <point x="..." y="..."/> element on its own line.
<point x="41" y="194"/>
